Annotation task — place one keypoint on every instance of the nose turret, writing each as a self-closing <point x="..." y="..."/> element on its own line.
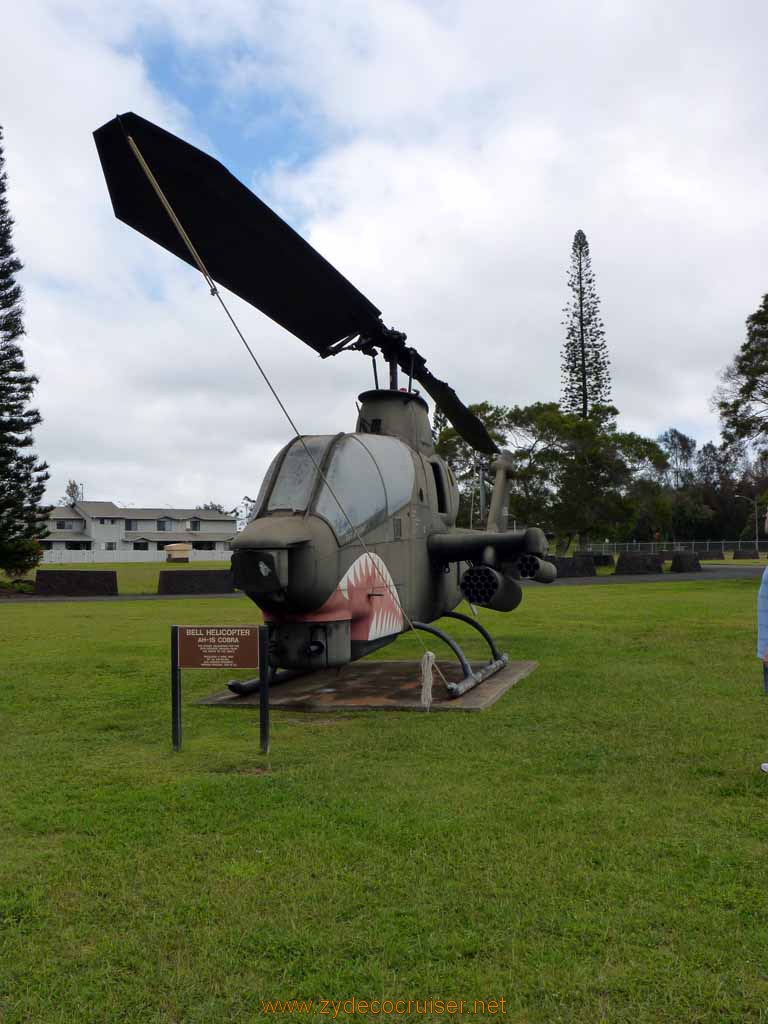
<point x="286" y="561"/>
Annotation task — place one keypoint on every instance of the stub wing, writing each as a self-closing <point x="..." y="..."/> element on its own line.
<point x="520" y="551"/>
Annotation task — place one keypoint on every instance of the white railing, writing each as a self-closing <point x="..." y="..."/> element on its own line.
<point x="87" y="557"/>
<point x="651" y="547"/>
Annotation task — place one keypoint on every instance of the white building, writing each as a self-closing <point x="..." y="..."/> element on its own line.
<point x="111" y="533"/>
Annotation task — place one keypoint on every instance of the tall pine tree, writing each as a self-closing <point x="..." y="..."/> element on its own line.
<point x="742" y="396"/>
<point x="22" y="476"/>
<point x="586" y="380"/>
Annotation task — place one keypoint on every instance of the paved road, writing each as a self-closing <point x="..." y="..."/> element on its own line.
<point x="708" y="574"/>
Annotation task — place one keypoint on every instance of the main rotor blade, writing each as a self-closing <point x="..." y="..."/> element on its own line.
<point x="244" y="245"/>
<point x="470" y="426"/>
<point x="467" y="424"/>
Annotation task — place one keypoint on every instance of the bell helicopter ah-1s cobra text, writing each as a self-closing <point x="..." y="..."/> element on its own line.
<point x="353" y="538"/>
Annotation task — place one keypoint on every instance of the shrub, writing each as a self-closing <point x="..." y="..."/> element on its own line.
<point x="76" y="583"/>
<point x="637" y="563"/>
<point x="685" y="561"/>
<point x="19" y="555"/>
<point x="195" y="581"/>
<point x="579" y="565"/>
<point x="604" y="560"/>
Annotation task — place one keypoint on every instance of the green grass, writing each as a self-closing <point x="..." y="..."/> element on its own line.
<point x="592" y="849"/>
<point x="135" y="577"/>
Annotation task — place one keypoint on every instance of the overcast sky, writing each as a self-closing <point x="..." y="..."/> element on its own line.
<point x="440" y="154"/>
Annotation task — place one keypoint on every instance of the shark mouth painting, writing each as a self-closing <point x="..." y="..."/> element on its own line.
<point x="372" y="597"/>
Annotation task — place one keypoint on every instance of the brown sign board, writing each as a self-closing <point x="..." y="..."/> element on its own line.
<point x="218" y="646"/>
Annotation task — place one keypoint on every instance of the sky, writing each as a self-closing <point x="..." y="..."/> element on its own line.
<point x="440" y="154"/>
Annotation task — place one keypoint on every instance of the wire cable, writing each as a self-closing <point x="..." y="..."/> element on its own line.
<point x="215" y="292"/>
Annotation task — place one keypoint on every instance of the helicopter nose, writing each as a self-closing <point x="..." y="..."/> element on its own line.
<point x="261" y="555"/>
<point x="261" y="571"/>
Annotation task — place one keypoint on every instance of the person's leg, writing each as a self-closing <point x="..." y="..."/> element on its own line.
<point x="765" y="679"/>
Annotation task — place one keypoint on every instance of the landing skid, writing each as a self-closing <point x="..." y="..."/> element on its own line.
<point x="471" y="679"/>
<point x="242" y="688"/>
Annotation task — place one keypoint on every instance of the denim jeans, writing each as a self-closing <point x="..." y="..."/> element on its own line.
<point x="765" y="679"/>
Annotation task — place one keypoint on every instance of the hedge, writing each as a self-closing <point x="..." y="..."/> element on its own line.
<point x="685" y="561"/>
<point x="195" y="581"/>
<point x="579" y="565"/>
<point x="639" y="563"/>
<point x="76" y="582"/>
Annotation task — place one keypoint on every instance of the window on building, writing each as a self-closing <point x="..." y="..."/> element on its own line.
<point x="110" y="546"/>
<point x="194" y="524"/>
<point x="162" y="525"/>
<point x="140" y="545"/>
<point x="46" y="545"/>
<point x="131" y="524"/>
<point x="203" y="545"/>
<point x="161" y="544"/>
<point x="77" y="545"/>
<point x="63" y="524"/>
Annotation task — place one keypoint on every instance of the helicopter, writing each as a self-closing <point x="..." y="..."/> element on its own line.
<point x="352" y="539"/>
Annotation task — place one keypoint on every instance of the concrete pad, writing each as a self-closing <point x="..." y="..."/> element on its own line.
<point x="378" y="686"/>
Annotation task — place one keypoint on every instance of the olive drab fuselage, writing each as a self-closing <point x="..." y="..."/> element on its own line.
<point x="338" y="554"/>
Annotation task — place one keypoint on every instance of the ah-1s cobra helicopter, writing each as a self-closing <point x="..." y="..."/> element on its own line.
<point x="353" y="539"/>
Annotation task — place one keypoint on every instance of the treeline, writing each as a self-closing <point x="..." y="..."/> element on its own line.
<point x="584" y="478"/>
<point x="580" y="477"/>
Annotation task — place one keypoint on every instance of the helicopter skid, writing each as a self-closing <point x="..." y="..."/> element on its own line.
<point x="472" y="677"/>
<point x="379" y="685"/>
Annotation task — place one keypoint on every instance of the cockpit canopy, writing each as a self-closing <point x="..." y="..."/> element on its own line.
<point x="368" y="477"/>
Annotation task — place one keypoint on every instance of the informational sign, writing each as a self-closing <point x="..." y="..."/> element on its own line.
<point x="218" y="646"/>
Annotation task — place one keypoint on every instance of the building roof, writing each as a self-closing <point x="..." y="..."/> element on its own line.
<point x="174" y="536"/>
<point x="78" y="535"/>
<point x="176" y="513"/>
<point x="101" y="508"/>
<point x="108" y="510"/>
<point x="64" y="512"/>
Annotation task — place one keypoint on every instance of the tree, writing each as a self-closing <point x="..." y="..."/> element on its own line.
<point x="72" y="493"/>
<point x="469" y="466"/>
<point x="22" y="476"/>
<point x="211" y="506"/>
<point x="576" y="473"/>
<point x="680" y="450"/>
<point x="245" y="511"/>
<point x="586" y="381"/>
<point x="742" y="397"/>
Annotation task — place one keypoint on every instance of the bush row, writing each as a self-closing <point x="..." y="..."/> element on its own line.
<point x="103" y="582"/>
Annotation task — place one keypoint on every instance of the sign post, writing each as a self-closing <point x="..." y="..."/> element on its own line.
<point x="264" y="673"/>
<point x="175" y="690"/>
<point x="219" y="647"/>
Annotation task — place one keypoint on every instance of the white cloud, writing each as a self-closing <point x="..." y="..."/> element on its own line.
<point x="463" y="144"/>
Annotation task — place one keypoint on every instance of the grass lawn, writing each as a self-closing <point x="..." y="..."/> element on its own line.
<point x="592" y="849"/>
